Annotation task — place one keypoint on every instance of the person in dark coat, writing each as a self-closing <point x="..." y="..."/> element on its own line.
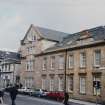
<point x="66" y="98"/>
<point x="13" y="93"/>
<point x="1" y="96"/>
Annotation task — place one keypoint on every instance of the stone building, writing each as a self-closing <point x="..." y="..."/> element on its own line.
<point x="82" y="55"/>
<point x="36" y="41"/>
<point x="9" y="68"/>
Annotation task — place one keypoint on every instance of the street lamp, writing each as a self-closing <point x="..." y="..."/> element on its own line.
<point x="65" y="71"/>
<point x="0" y="77"/>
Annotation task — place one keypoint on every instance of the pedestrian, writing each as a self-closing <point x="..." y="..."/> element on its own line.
<point x="1" y="96"/>
<point x="66" y="98"/>
<point x="13" y="93"/>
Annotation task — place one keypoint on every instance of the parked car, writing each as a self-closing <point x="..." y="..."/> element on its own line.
<point x="40" y="93"/>
<point x="59" y="96"/>
<point x="26" y="91"/>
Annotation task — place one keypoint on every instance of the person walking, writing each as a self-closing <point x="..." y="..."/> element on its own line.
<point x="13" y="93"/>
<point x="66" y="98"/>
<point x="1" y="96"/>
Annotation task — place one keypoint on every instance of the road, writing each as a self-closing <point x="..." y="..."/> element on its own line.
<point x="26" y="100"/>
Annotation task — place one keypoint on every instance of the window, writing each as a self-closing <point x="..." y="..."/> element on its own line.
<point x="71" y="61"/>
<point x="61" y="62"/>
<point x="82" y="85"/>
<point x="83" y="59"/>
<point x="70" y="83"/>
<point x="52" y="62"/>
<point x="97" y="58"/>
<point x="2" y="67"/>
<point x="44" y="84"/>
<point x="12" y="67"/>
<point x="9" y="67"/>
<point x="33" y="37"/>
<point x="29" y="65"/>
<point x="6" y="67"/>
<point x="29" y="82"/>
<point x="60" y="84"/>
<point x="44" y="63"/>
<point x="98" y="91"/>
<point x="51" y="84"/>
<point x="30" y="50"/>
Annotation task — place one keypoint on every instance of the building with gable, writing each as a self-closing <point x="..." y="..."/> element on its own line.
<point x="82" y="55"/>
<point x="36" y="41"/>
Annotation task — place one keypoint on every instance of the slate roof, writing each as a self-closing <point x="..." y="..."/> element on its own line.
<point x="9" y="55"/>
<point x="48" y="34"/>
<point x="97" y="33"/>
<point x="51" y="34"/>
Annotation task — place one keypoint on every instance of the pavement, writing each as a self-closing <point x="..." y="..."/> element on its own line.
<point x="82" y="102"/>
<point x="3" y="104"/>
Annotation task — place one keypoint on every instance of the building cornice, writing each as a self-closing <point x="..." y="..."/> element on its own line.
<point x="72" y="47"/>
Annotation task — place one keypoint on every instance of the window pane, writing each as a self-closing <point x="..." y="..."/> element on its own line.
<point x="51" y="84"/>
<point x="70" y="83"/>
<point x="43" y="83"/>
<point x="98" y="91"/>
<point x="82" y="85"/>
<point x="60" y="84"/>
<point x="52" y="62"/>
<point x="61" y="62"/>
<point x="83" y="59"/>
<point x="44" y="63"/>
<point x="97" y="58"/>
<point x="71" y="61"/>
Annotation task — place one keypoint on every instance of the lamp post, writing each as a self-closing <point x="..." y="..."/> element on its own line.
<point x="65" y="71"/>
<point x="0" y="77"/>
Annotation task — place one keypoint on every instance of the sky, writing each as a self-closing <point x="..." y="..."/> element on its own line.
<point x="68" y="16"/>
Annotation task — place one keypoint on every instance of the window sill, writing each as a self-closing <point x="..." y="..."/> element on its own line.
<point x="82" y="93"/>
<point x="44" y="69"/>
<point x="82" y="67"/>
<point x="71" y="68"/>
<point x="96" y="95"/>
<point x="61" y="69"/>
<point x="29" y="71"/>
<point x="70" y="91"/>
<point x="52" y="68"/>
<point x="96" y="66"/>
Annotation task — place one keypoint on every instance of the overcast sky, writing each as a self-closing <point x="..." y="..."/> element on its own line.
<point x="63" y="15"/>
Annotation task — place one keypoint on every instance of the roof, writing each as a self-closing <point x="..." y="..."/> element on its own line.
<point x="51" y="34"/>
<point x="9" y="55"/>
<point x="48" y="34"/>
<point x="97" y="33"/>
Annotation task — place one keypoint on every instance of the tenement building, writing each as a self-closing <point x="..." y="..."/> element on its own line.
<point x="36" y="41"/>
<point x="9" y="68"/>
<point x="48" y="56"/>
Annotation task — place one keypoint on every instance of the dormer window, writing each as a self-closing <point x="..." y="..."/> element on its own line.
<point x="85" y="34"/>
<point x="85" y="38"/>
